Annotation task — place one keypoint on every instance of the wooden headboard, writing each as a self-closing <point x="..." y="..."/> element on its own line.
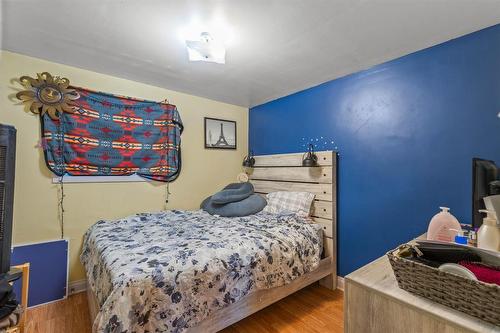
<point x="284" y="172"/>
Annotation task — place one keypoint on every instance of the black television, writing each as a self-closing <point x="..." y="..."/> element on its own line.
<point x="484" y="178"/>
<point x="7" y="171"/>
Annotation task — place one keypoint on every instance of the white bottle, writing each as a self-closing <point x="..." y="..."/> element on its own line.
<point x="443" y="226"/>
<point x="488" y="236"/>
<point x="492" y="202"/>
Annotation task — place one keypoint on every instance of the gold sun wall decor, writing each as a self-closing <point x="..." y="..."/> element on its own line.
<point x="48" y="94"/>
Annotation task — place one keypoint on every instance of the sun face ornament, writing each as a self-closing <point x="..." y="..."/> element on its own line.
<point x="48" y="94"/>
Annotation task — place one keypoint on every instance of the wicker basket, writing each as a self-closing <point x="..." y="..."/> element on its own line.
<point x="478" y="299"/>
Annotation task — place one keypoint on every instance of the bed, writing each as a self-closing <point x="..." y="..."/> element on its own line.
<point x="178" y="271"/>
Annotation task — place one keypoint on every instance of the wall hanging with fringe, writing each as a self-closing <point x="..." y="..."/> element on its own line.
<point x="89" y="133"/>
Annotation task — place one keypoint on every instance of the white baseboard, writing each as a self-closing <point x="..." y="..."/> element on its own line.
<point x="75" y="287"/>
<point x="340" y="283"/>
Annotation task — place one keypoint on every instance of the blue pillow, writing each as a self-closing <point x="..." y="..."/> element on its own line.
<point x="251" y="205"/>
<point x="232" y="193"/>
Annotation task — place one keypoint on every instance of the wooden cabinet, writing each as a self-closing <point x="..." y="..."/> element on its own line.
<point x="374" y="303"/>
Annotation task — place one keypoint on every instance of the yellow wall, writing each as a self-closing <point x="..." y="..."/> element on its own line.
<point x="35" y="211"/>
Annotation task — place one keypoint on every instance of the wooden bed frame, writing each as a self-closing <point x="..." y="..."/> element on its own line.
<point x="283" y="172"/>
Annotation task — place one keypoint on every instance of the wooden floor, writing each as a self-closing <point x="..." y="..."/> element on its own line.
<point x="312" y="309"/>
<point x="70" y="315"/>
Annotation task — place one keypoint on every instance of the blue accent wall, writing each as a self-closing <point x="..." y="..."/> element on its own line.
<point x="406" y="131"/>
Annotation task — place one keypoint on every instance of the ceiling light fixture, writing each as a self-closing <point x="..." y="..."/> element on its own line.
<point x="206" y="49"/>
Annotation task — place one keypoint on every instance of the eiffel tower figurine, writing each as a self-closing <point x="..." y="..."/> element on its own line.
<point x="222" y="140"/>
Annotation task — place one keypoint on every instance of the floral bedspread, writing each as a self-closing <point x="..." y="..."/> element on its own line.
<point x="167" y="271"/>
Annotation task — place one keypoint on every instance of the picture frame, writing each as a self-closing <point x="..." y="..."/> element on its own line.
<point x="220" y="133"/>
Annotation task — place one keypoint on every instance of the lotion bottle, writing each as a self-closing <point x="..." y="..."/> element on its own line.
<point x="488" y="236"/>
<point x="443" y="226"/>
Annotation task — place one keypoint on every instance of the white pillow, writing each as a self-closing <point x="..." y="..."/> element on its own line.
<point x="295" y="202"/>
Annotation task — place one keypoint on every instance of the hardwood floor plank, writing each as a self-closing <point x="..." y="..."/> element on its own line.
<point x="70" y="315"/>
<point x="313" y="309"/>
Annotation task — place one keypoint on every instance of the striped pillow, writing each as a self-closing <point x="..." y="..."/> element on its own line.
<point x="295" y="202"/>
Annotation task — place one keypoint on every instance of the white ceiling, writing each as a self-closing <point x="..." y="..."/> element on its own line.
<point x="279" y="46"/>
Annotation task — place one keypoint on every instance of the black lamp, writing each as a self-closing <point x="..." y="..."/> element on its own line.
<point x="310" y="159"/>
<point x="249" y="160"/>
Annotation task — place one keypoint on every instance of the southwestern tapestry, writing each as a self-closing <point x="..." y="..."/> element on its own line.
<point x="114" y="135"/>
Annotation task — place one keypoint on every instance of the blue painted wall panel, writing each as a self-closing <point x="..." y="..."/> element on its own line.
<point x="406" y="131"/>
<point x="48" y="270"/>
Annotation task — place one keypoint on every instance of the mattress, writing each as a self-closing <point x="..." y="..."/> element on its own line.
<point x="167" y="271"/>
